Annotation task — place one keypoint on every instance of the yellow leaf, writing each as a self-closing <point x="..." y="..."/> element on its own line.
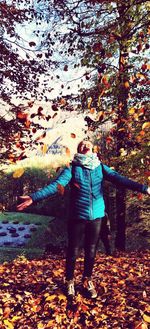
<point x="62" y="297"/>
<point x="8" y="324"/>
<point x="50" y="298"/>
<point x="50" y="323"/>
<point x="40" y="325"/>
<point x="146" y="125"/>
<point x="123" y="152"/>
<point x="58" y="318"/>
<point x="140" y="75"/>
<point x="146" y="318"/>
<point x="15" y="318"/>
<point x="131" y="110"/>
<point x="44" y="149"/>
<point x="133" y="152"/>
<point x="18" y="173"/>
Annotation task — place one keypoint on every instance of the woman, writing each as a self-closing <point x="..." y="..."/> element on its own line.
<point x="87" y="208"/>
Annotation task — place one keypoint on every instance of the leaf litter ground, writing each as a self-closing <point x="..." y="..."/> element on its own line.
<point x="32" y="293"/>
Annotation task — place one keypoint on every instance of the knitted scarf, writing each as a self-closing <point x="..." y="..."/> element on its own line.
<point x="89" y="161"/>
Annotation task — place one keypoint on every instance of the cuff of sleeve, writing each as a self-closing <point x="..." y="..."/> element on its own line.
<point x="32" y="197"/>
<point x="145" y="189"/>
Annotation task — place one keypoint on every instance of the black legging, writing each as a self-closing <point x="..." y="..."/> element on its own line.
<point x="91" y="231"/>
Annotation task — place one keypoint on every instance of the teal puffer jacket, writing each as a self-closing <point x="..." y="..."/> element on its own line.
<point x="86" y="197"/>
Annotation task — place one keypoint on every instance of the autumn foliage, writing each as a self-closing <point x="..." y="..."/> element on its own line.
<point x="32" y="294"/>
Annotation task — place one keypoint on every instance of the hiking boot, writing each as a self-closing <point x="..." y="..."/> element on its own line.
<point x="70" y="288"/>
<point x="89" y="287"/>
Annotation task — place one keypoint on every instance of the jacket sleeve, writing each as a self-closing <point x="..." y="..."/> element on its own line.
<point x="63" y="179"/>
<point x="122" y="181"/>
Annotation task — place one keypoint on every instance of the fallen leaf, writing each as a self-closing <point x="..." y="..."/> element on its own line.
<point x="18" y="173"/>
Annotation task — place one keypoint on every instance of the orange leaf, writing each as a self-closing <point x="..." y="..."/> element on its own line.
<point x="92" y="110"/>
<point x="67" y="152"/>
<point x="126" y="84"/>
<point x="28" y="123"/>
<point x="62" y="101"/>
<point x="6" y="312"/>
<point x="142" y="133"/>
<point x="22" y="116"/>
<point x="105" y="79"/>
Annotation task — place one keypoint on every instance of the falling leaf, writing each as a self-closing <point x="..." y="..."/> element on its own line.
<point x="92" y="110"/>
<point x="62" y="101"/>
<point x="44" y="148"/>
<point x="40" y="109"/>
<point x="73" y="135"/>
<point x="131" y="110"/>
<point x="66" y="68"/>
<point x="32" y="44"/>
<point x="126" y="84"/>
<point x="105" y="79"/>
<point x="28" y="123"/>
<point x="55" y="114"/>
<point x="22" y="116"/>
<point x="18" y="173"/>
<point x="55" y="107"/>
<point x="68" y="153"/>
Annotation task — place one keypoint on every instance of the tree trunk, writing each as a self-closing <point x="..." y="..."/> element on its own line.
<point x="120" y="239"/>
<point x="122" y="139"/>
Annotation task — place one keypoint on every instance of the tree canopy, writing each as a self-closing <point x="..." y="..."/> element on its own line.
<point x="107" y="40"/>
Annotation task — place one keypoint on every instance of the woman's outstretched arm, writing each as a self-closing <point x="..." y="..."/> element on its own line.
<point x="122" y="181"/>
<point x="62" y="180"/>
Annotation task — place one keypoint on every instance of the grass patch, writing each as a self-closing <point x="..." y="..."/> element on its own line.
<point x="35" y="246"/>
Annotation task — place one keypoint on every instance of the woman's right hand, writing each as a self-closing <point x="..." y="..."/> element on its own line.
<point x="26" y="202"/>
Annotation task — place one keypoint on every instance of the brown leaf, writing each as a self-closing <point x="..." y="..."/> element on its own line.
<point x="73" y="135"/>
